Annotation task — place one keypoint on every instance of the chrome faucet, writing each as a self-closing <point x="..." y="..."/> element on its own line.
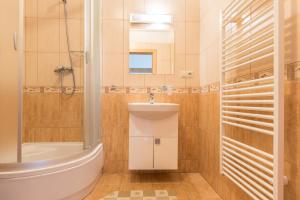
<point x="151" y="98"/>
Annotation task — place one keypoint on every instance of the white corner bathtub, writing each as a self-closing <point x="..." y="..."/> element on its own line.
<point x="65" y="173"/>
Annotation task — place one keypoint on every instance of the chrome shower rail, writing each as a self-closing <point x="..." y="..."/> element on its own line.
<point x="252" y="39"/>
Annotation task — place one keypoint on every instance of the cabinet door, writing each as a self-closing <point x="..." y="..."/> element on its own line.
<point x="166" y="153"/>
<point x="140" y="153"/>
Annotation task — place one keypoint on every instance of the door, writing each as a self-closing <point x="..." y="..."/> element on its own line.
<point x="140" y="153"/>
<point x="166" y="153"/>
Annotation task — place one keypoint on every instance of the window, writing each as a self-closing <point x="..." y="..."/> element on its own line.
<point x="142" y="62"/>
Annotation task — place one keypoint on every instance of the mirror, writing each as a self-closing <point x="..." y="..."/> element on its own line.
<point x="151" y="51"/>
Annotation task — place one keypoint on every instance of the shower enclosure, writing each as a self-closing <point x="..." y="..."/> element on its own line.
<point x="49" y="94"/>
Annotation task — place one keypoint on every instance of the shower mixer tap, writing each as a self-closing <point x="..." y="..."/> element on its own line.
<point x="63" y="69"/>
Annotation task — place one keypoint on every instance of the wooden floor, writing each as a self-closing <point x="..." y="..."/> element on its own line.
<point x="188" y="186"/>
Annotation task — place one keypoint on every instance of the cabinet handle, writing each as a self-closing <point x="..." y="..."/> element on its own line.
<point x="157" y="141"/>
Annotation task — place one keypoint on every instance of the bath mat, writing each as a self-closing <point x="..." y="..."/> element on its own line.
<point x="142" y="195"/>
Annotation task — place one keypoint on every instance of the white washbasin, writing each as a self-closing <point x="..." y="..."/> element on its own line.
<point x="155" y="107"/>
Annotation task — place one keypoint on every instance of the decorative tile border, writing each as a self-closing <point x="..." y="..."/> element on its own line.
<point x="136" y="90"/>
<point x="142" y="195"/>
<point x="214" y="87"/>
<point x="115" y="89"/>
<point x="32" y="90"/>
<point x="205" y="89"/>
<point x="145" y="90"/>
<point x="181" y="90"/>
<point x="155" y="90"/>
<point x="195" y="90"/>
<point x="53" y="90"/>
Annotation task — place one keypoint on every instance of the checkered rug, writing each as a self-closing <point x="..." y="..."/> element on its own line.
<point x="142" y="195"/>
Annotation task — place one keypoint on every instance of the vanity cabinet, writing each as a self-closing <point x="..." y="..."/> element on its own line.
<point x="153" y="138"/>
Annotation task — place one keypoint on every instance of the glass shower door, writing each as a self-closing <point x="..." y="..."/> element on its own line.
<point x="10" y="81"/>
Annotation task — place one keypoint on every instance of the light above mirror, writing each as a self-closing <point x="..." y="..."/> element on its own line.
<point x="150" y="19"/>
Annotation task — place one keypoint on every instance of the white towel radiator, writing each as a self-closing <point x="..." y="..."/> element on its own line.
<point x="251" y="97"/>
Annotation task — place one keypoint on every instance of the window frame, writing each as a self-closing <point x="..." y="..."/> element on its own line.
<point x="152" y="52"/>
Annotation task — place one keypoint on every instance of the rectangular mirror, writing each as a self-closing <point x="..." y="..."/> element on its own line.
<point x="151" y="51"/>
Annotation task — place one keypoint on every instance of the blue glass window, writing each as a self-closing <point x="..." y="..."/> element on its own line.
<point x="140" y="62"/>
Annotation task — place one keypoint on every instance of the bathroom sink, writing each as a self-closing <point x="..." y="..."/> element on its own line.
<point x="155" y="107"/>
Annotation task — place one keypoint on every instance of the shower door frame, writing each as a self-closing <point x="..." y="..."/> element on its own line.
<point x="91" y="73"/>
<point x="21" y="59"/>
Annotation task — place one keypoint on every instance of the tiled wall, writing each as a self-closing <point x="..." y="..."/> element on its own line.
<point x="48" y="115"/>
<point x="52" y="117"/>
<point x="116" y="41"/>
<point x="209" y="103"/>
<point x="45" y="41"/>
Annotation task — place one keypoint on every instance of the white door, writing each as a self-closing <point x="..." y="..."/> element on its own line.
<point x="166" y="153"/>
<point x="140" y="153"/>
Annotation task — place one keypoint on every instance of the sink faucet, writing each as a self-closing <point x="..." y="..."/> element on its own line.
<point x="151" y="98"/>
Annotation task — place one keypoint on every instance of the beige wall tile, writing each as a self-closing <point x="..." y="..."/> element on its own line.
<point x="209" y="65"/>
<point x="192" y="64"/>
<point x="131" y="80"/>
<point x="209" y="42"/>
<point x="292" y="30"/>
<point x="126" y="37"/>
<point x="31" y="69"/>
<point x="31" y="34"/>
<point x="82" y="35"/>
<point x="75" y="28"/>
<point x="113" y="9"/>
<point x="192" y="38"/>
<point x="179" y="10"/>
<point x="48" y="35"/>
<point x="180" y="34"/>
<point x="48" y="9"/>
<point x="113" y="40"/>
<point x="192" y="10"/>
<point x="113" y="70"/>
<point x="47" y="62"/>
<point x="31" y="8"/>
<point x="180" y="65"/>
<point x="133" y="6"/>
<point x="155" y="80"/>
<point x="74" y="9"/>
<point x="159" y="6"/>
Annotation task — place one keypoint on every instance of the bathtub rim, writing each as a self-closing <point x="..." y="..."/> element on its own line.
<point x="19" y="170"/>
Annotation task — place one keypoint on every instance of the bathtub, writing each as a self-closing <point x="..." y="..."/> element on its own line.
<point x="52" y="171"/>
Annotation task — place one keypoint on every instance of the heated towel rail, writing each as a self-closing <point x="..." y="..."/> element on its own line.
<point x="251" y="102"/>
